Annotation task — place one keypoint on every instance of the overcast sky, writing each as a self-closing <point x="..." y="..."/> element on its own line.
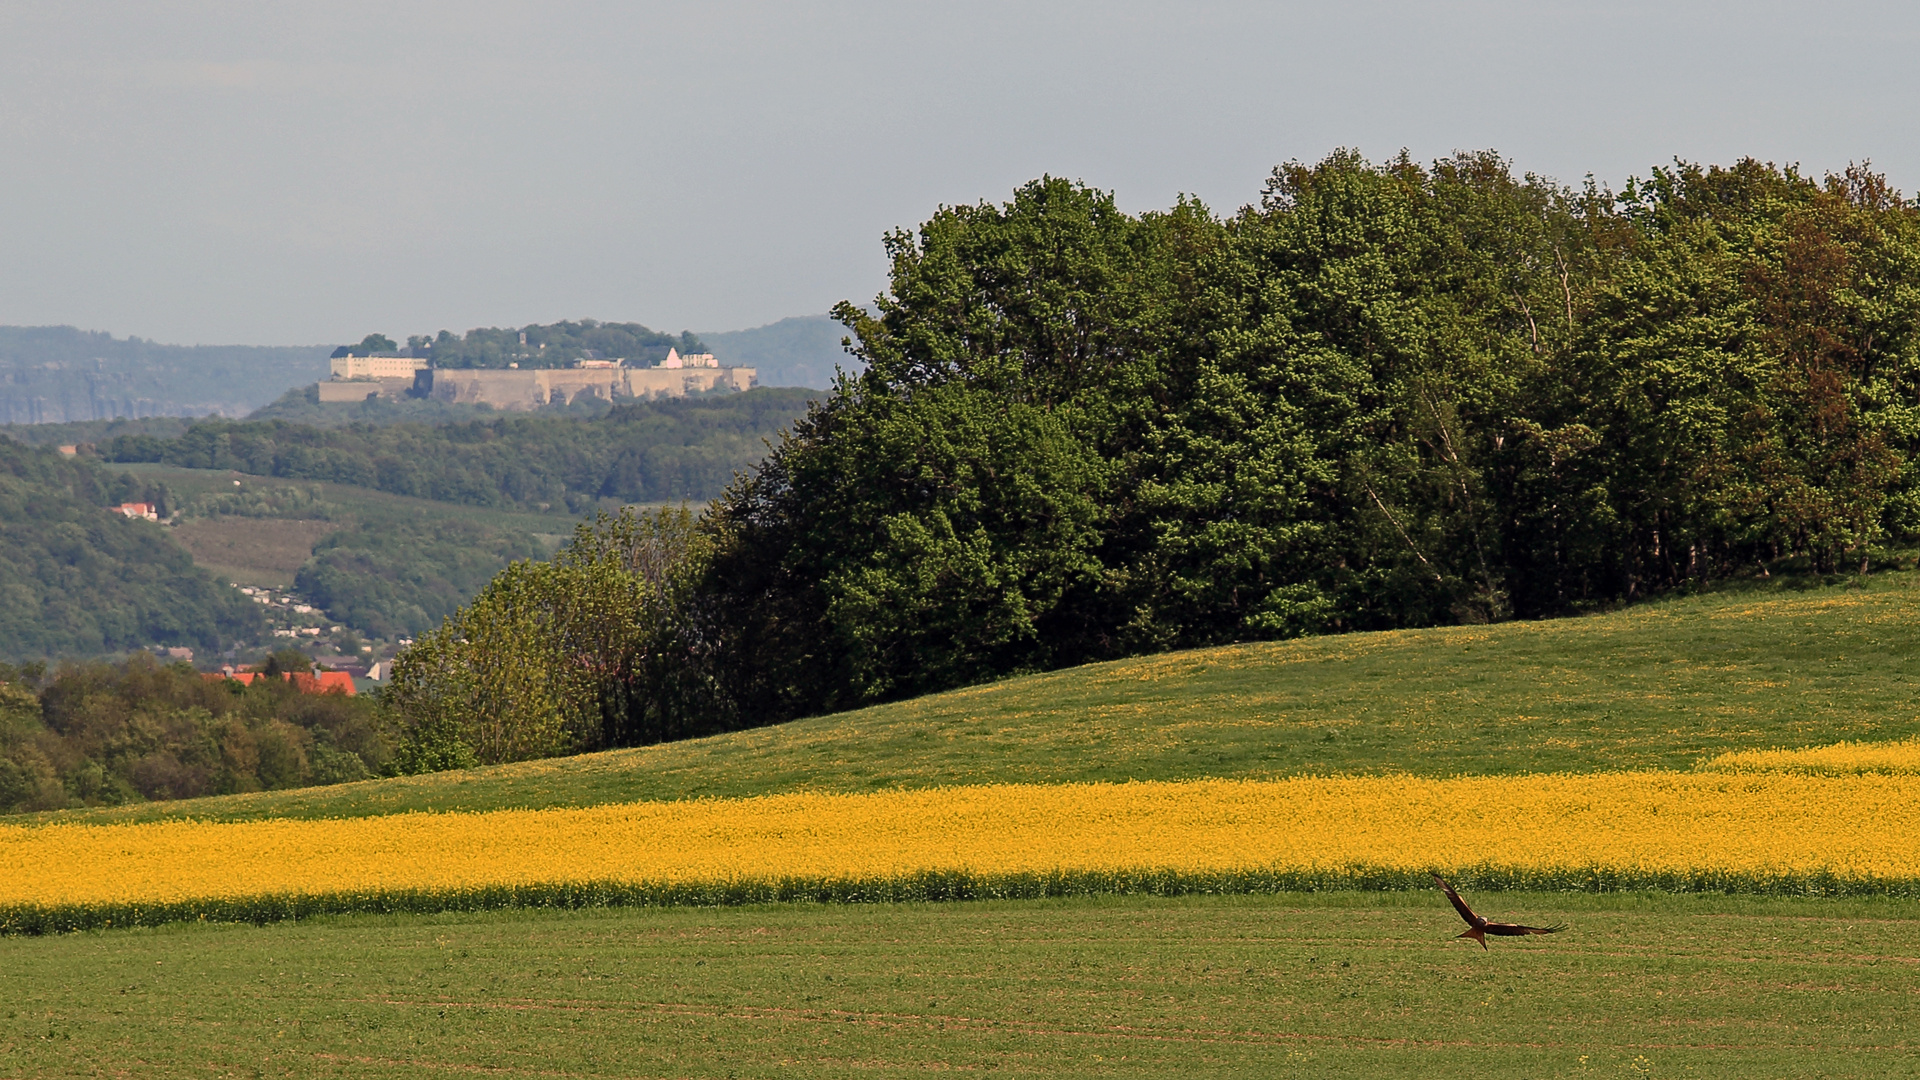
<point x="301" y="173"/>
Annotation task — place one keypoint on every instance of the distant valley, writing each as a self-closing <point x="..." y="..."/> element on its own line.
<point x="379" y="517"/>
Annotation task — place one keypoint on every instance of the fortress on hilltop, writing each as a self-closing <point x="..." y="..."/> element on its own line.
<point x="357" y="378"/>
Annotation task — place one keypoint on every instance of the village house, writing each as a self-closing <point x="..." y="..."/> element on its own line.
<point x="320" y="682"/>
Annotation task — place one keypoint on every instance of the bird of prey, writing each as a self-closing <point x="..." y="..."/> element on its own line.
<point x="1478" y="928"/>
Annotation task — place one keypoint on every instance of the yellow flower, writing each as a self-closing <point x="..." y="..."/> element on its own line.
<point x="1839" y="759"/>
<point x="1750" y="826"/>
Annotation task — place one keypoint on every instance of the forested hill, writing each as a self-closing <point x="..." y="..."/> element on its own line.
<point x="652" y="451"/>
<point x="77" y="579"/>
<point x="550" y="345"/>
<point x="55" y="374"/>
<point x="801" y="351"/>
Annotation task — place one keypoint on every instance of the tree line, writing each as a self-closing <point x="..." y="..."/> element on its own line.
<point x="644" y="451"/>
<point x="540" y="346"/>
<point x="100" y="733"/>
<point x="1383" y="395"/>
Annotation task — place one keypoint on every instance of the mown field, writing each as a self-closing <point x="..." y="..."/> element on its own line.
<point x="1425" y="747"/>
<point x="1352" y="984"/>
<point x="252" y="551"/>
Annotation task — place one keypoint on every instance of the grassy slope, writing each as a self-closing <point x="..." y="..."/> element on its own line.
<point x="1658" y="686"/>
<point x="363" y="504"/>
<point x="252" y="551"/>
<point x="268" y="551"/>
<point x="1328" y="985"/>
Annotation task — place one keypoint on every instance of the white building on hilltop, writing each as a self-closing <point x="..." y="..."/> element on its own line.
<point x="357" y="378"/>
<point x="375" y="367"/>
<point x="675" y="360"/>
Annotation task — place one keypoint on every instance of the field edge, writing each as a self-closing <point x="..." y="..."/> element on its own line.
<point x="932" y="887"/>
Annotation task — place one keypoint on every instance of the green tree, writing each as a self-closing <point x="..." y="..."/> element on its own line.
<point x="556" y="657"/>
<point x="131" y="730"/>
<point x="287" y="662"/>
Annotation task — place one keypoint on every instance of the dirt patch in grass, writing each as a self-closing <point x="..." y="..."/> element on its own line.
<point x="252" y="551"/>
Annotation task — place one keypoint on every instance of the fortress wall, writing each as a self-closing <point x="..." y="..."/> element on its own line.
<point x="566" y="385"/>
<point x="500" y="389"/>
<point x="533" y="387"/>
<point x="678" y="382"/>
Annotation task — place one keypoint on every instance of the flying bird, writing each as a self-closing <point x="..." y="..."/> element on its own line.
<point x="1478" y="928"/>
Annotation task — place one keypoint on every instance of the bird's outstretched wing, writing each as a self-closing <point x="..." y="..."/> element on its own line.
<point x="1507" y="929"/>
<point x="1460" y="905"/>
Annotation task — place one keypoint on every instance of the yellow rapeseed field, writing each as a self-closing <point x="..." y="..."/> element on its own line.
<point x="1839" y="759"/>
<point x="1864" y="827"/>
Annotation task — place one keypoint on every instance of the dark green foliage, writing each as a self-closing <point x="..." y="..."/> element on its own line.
<point x="657" y="451"/>
<point x="557" y="345"/>
<point x="76" y="579"/>
<point x="103" y="734"/>
<point x="286" y="661"/>
<point x="302" y="405"/>
<point x="1384" y="396"/>
<point x="396" y="579"/>
<point x="933" y="543"/>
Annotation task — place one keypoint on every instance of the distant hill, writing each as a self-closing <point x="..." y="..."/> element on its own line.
<point x="801" y="351"/>
<point x="78" y="580"/>
<point x="57" y="374"/>
<point x="94" y="431"/>
<point x="383" y="570"/>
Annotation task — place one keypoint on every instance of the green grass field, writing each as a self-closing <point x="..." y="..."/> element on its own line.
<point x="1656" y="686"/>
<point x="1338" y="984"/>
<point x="1328" y="985"/>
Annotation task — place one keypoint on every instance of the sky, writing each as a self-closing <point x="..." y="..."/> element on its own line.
<point x="247" y="173"/>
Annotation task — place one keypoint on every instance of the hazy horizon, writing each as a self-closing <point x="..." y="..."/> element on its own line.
<point x="221" y="173"/>
<point x="335" y="343"/>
